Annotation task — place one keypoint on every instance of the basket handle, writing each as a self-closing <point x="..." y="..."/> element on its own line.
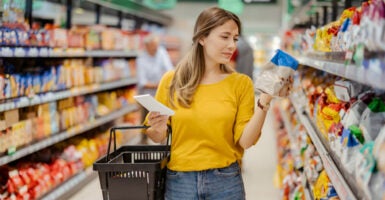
<point x="113" y="134"/>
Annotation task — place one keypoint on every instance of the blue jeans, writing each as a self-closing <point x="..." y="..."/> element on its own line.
<point x="214" y="184"/>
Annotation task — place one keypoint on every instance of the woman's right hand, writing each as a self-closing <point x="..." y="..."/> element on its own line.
<point x="158" y="130"/>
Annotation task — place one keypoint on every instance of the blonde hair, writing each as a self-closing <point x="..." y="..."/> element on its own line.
<point x="190" y="70"/>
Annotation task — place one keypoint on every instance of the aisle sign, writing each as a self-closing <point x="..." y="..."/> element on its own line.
<point x="235" y="6"/>
<point x="160" y="4"/>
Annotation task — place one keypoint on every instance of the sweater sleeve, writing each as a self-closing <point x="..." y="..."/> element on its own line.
<point x="246" y="102"/>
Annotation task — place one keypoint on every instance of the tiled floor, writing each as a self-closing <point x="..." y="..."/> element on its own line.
<point x="258" y="169"/>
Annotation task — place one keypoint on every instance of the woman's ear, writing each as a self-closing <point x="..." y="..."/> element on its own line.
<point x="201" y="41"/>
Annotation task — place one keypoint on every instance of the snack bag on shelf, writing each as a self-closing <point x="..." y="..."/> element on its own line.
<point x="372" y="119"/>
<point x="277" y="77"/>
<point x="365" y="165"/>
<point x="59" y="38"/>
<point x="379" y="150"/>
<point x="353" y="115"/>
<point x="351" y="141"/>
<point x="321" y="186"/>
<point x="345" y="90"/>
<point x="372" y="25"/>
<point x="334" y="137"/>
<point x="377" y="184"/>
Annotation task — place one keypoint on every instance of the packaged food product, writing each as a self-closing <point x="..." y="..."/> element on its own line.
<point x="277" y="77"/>
<point x="372" y="119"/>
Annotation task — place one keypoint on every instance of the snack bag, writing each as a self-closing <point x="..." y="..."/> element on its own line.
<point x="277" y="77"/>
<point x="351" y="141"/>
<point x="372" y="119"/>
<point x="365" y="166"/>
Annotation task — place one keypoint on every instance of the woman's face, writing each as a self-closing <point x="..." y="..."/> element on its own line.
<point x="220" y="44"/>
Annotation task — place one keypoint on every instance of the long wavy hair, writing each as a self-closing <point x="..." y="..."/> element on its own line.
<point x="190" y="70"/>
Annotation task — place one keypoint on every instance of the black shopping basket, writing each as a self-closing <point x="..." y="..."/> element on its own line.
<point x="133" y="172"/>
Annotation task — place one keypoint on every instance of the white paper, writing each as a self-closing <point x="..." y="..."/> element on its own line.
<point x="152" y="105"/>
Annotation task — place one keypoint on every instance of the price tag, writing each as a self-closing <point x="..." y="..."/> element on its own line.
<point x="23" y="101"/>
<point x="33" y="52"/>
<point x="348" y="55"/>
<point x="9" y="106"/>
<point x="35" y="100"/>
<point x="11" y="150"/>
<point x="49" y="96"/>
<point x="350" y="72"/>
<point x="6" y="52"/>
<point x="44" y="52"/>
<point x="20" y="52"/>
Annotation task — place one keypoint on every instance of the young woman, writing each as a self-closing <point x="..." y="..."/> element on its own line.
<point x="214" y="119"/>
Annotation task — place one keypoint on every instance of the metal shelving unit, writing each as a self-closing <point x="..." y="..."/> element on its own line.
<point x="55" y="138"/>
<point x="54" y="96"/>
<point x="45" y="52"/>
<point x="133" y="8"/>
<point x="344" y="183"/>
<point x="64" y="190"/>
<point x="289" y="129"/>
<point x="351" y="72"/>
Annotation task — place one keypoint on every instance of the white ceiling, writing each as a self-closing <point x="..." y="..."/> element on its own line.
<point x="255" y="17"/>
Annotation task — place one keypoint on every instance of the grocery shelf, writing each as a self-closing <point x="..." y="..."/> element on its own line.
<point x="351" y="72"/>
<point x="39" y="145"/>
<point x="64" y="190"/>
<point x="46" y="52"/>
<point x="54" y="96"/>
<point x="342" y="181"/>
<point x="95" y="53"/>
<point x="133" y="8"/>
<point x="288" y="127"/>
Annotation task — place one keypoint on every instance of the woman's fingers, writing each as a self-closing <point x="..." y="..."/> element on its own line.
<point x="156" y="119"/>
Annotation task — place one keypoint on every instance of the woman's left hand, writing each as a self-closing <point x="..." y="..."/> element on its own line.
<point x="286" y="88"/>
<point x="158" y="126"/>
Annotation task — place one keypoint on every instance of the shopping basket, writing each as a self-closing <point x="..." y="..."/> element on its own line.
<point x="133" y="172"/>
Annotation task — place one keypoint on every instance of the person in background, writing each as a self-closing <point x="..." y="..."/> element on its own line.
<point x="151" y="64"/>
<point x="243" y="58"/>
<point x="214" y="120"/>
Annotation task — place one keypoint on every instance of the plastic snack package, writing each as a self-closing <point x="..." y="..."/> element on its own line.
<point x="277" y="77"/>
<point x="345" y="90"/>
<point x="321" y="186"/>
<point x="372" y="119"/>
<point x="353" y="115"/>
<point x="379" y="150"/>
<point x="377" y="186"/>
<point x="334" y="137"/>
<point x="365" y="166"/>
<point x="351" y="144"/>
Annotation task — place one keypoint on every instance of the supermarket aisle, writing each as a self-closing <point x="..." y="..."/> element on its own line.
<point x="258" y="170"/>
<point x="260" y="163"/>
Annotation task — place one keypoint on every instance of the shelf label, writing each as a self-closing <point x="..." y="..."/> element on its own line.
<point x="11" y="150"/>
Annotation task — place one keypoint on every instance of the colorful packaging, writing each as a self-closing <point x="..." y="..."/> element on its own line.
<point x="277" y="77"/>
<point x="373" y="119"/>
<point x="345" y="89"/>
<point x="350" y="147"/>
<point x="365" y="166"/>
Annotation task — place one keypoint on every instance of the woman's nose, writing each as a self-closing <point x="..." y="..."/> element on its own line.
<point x="232" y="45"/>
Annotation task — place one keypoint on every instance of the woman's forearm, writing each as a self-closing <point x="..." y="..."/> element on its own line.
<point x="156" y="135"/>
<point x="252" y="131"/>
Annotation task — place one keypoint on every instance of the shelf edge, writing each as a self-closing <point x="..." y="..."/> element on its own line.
<point x="76" y="130"/>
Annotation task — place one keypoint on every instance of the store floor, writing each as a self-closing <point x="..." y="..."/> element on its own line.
<point x="258" y="169"/>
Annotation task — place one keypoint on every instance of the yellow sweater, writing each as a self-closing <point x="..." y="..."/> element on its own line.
<point x="206" y="135"/>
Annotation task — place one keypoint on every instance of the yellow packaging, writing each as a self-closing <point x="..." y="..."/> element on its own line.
<point x="321" y="186"/>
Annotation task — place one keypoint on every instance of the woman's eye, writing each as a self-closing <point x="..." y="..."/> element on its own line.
<point x="225" y="37"/>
